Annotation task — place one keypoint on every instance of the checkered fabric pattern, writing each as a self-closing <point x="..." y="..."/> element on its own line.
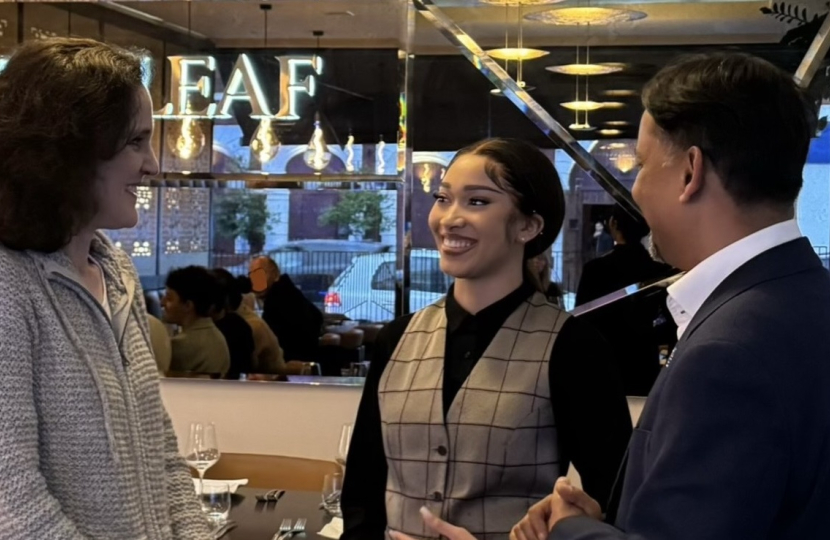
<point x="496" y="454"/>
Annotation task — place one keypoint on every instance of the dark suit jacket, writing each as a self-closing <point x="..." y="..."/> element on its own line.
<point x="294" y="319"/>
<point x="622" y="266"/>
<point x="628" y="327"/>
<point x="734" y="441"/>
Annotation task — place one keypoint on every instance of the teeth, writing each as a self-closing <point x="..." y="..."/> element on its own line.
<point x="457" y="244"/>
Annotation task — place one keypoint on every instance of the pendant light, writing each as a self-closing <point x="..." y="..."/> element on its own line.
<point x="519" y="53"/>
<point x="350" y="153"/>
<point x="265" y="143"/>
<point x="578" y="15"/>
<point x="188" y="142"/>
<point x="317" y="155"/>
<point x="380" y="162"/>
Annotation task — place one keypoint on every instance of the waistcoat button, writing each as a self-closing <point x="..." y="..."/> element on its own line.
<point x="437" y="496"/>
<point x="442" y="450"/>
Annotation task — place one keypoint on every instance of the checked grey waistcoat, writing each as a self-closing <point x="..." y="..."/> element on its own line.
<point x="497" y="452"/>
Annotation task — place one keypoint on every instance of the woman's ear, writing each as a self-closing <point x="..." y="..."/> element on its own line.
<point x="531" y="228"/>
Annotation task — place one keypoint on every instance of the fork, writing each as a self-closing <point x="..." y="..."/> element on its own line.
<point x="299" y="528"/>
<point x="285" y="528"/>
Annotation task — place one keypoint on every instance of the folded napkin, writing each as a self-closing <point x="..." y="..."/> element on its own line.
<point x="232" y="484"/>
<point x="333" y="530"/>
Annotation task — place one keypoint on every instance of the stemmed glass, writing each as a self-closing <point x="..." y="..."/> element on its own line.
<point x="343" y="445"/>
<point x="202" y="449"/>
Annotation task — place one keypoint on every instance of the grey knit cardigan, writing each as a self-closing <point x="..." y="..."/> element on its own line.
<point x="87" y="450"/>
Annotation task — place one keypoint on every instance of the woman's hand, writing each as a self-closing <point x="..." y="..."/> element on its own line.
<point x="439" y="527"/>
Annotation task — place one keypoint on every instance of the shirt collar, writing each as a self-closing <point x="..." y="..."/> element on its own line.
<point x="494" y="314"/>
<point x="688" y="294"/>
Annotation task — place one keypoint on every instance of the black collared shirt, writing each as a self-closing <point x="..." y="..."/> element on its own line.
<point x="468" y="336"/>
<point x="588" y="402"/>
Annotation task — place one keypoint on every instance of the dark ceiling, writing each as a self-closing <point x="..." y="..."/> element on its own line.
<point x="453" y="106"/>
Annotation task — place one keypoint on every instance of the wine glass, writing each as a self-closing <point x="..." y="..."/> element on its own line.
<point x="202" y="449"/>
<point x="343" y="445"/>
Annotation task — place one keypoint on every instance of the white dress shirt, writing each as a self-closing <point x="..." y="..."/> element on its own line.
<point x="686" y="295"/>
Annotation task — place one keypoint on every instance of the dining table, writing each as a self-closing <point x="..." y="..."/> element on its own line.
<point x="260" y="520"/>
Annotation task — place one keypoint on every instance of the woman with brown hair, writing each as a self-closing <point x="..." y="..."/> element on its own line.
<point x="475" y="405"/>
<point x="88" y="449"/>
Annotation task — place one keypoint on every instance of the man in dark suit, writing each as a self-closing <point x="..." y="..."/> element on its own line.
<point x="296" y="322"/>
<point x="628" y="327"/>
<point x="734" y="440"/>
<point x="627" y="263"/>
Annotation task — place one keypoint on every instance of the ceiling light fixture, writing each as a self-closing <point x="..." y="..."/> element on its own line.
<point x="265" y="144"/>
<point x="582" y="127"/>
<point x="613" y="146"/>
<point x="582" y="105"/>
<point x="522" y="84"/>
<point x="575" y="16"/>
<point x="610" y="132"/>
<point x="350" y="153"/>
<point x="519" y="53"/>
<point x="516" y="53"/>
<point x="522" y="2"/>
<point x="586" y="70"/>
<point x="617" y="123"/>
<point x="188" y="141"/>
<point x="620" y="93"/>
<point x="317" y="155"/>
<point x="613" y="105"/>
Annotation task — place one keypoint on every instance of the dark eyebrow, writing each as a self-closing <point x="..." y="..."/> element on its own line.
<point x="144" y="133"/>
<point x="475" y="187"/>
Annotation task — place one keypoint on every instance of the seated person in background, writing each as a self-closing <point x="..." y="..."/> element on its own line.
<point x="539" y="268"/>
<point x="268" y="355"/>
<point x="237" y="332"/>
<point x="249" y="302"/>
<point x="293" y="318"/>
<point x="200" y="347"/>
<point x="152" y="303"/>
<point x="160" y="340"/>
<point x="626" y="264"/>
<point x="159" y="335"/>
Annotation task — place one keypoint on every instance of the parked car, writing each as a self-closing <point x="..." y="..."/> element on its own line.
<point x="314" y="264"/>
<point x="365" y="291"/>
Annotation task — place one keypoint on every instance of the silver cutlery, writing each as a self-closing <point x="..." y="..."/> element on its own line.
<point x="272" y="496"/>
<point x="285" y="527"/>
<point x="299" y="528"/>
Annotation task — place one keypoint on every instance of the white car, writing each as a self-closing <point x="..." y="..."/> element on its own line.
<point x="365" y="291"/>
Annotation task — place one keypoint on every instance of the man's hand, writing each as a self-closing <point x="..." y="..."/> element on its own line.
<point x="439" y="527"/>
<point x="566" y="501"/>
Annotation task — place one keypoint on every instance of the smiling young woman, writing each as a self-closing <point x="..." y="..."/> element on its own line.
<point x="88" y="449"/>
<point x="475" y="405"/>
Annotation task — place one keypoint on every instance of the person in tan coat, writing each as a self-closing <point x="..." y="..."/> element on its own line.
<point x="268" y="356"/>
<point x="200" y="347"/>
<point x="160" y="340"/>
